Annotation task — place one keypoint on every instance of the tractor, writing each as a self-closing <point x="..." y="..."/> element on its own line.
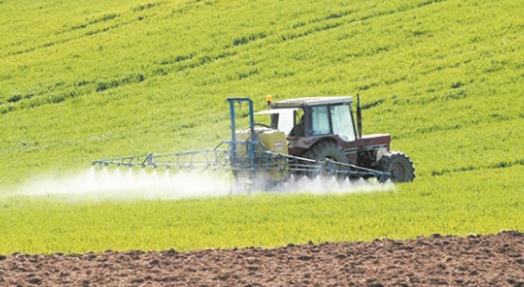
<point x="304" y="137"/>
<point x="323" y="128"/>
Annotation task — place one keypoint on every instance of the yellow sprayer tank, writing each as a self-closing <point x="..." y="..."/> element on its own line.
<point x="270" y="139"/>
<point x="274" y="140"/>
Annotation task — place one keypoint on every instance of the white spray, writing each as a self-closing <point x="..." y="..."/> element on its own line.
<point x="140" y="184"/>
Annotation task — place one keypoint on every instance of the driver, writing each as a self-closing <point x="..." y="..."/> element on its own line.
<point x="298" y="129"/>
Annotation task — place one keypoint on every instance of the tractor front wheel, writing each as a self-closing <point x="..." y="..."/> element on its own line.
<point x="399" y="165"/>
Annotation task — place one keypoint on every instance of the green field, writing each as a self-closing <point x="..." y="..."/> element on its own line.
<point x="86" y="81"/>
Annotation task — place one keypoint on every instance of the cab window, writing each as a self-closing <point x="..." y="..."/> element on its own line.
<point x="334" y="119"/>
<point x="320" y="120"/>
<point x="342" y="122"/>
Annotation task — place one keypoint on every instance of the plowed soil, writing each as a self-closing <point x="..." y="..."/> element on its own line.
<point x="490" y="260"/>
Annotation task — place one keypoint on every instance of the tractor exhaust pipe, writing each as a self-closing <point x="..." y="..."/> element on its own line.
<point x="359" y="117"/>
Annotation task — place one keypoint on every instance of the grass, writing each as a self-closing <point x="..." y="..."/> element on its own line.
<point x="80" y="83"/>
<point x="421" y="208"/>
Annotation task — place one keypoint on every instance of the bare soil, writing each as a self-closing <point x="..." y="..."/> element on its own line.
<point x="488" y="260"/>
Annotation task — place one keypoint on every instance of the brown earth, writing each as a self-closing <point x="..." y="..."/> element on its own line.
<point x="489" y="260"/>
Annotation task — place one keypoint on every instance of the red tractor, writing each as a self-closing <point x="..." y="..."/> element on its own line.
<point x="323" y="128"/>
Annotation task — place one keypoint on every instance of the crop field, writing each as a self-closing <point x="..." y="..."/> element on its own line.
<point x="82" y="82"/>
<point x="268" y="220"/>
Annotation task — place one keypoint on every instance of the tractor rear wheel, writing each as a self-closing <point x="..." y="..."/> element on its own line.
<point x="323" y="151"/>
<point x="399" y="165"/>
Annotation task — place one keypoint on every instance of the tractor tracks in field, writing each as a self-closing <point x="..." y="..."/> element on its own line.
<point x="468" y="168"/>
<point x="246" y="42"/>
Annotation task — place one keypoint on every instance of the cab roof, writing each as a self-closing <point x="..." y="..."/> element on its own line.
<point x="314" y="101"/>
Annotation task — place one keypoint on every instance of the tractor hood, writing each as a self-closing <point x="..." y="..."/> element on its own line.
<point x="374" y="140"/>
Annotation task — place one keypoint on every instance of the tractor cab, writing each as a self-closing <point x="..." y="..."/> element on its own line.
<point x="305" y="119"/>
